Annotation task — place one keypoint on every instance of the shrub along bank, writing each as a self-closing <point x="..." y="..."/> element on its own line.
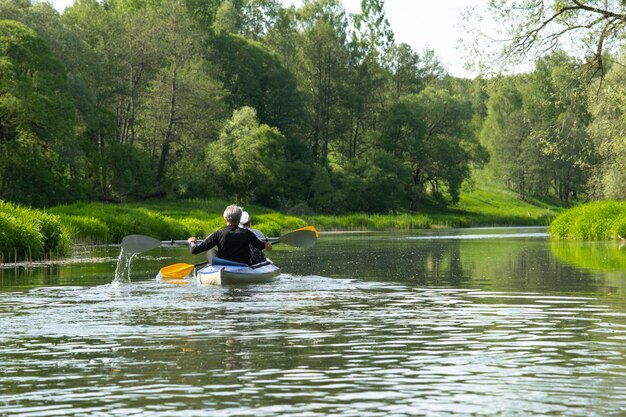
<point x="37" y="234"/>
<point x="30" y="234"/>
<point x="164" y="220"/>
<point x="593" y="221"/>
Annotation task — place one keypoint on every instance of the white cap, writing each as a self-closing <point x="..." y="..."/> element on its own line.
<point x="245" y="218"/>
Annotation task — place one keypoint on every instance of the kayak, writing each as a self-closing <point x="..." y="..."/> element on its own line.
<point x="229" y="273"/>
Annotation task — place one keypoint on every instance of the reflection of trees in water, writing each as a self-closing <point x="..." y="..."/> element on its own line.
<point x="494" y="264"/>
<point x="391" y="260"/>
<point x="23" y="275"/>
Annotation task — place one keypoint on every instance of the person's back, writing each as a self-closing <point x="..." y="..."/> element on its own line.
<point x="233" y="243"/>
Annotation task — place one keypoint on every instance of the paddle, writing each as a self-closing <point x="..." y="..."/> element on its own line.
<point x="304" y="237"/>
<point x="179" y="270"/>
<point x="139" y="243"/>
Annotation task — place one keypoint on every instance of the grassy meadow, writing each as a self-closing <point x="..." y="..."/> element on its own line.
<point x="27" y="234"/>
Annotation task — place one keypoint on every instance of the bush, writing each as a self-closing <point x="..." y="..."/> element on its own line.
<point x="592" y="221"/>
<point x="164" y="220"/>
<point x="27" y="234"/>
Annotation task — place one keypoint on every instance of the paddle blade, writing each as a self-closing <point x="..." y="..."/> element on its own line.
<point x="139" y="243"/>
<point x="176" y="271"/>
<point x="304" y="237"/>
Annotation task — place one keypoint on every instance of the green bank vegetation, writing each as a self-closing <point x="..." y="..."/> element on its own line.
<point x="30" y="234"/>
<point x="109" y="223"/>
<point x="298" y="109"/>
<point x="38" y="234"/>
<point x="305" y="107"/>
<point x="599" y="220"/>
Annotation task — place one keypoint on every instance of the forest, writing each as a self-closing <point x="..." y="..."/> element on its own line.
<point x="304" y="110"/>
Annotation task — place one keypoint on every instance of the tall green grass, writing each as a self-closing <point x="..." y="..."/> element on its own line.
<point x="484" y="206"/>
<point x="164" y="220"/>
<point x="27" y="234"/>
<point x="31" y="234"/>
<point x="593" y="221"/>
<point x="360" y="221"/>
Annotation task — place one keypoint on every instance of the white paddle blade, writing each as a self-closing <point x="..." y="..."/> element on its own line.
<point x="139" y="243"/>
<point x="300" y="238"/>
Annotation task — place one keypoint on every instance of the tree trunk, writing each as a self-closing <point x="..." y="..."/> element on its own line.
<point x="168" y="134"/>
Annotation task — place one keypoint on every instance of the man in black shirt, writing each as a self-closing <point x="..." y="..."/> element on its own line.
<point x="232" y="241"/>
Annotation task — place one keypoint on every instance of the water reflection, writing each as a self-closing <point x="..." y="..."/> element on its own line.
<point x="362" y="325"/>
<point x="348" y="348"/>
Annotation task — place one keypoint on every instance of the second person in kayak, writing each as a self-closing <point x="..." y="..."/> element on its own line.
<point x="232" y="242"/>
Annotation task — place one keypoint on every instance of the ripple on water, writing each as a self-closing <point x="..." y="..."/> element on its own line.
<point x="308" y="345"/>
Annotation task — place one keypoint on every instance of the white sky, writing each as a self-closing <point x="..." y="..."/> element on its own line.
<point x="425" y="23"/>
<point x="418" y="23"/>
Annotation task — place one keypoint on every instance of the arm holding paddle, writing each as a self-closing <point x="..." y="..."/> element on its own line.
<point x="304" y="238"/>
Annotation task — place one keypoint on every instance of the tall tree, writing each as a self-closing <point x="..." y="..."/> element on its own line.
<point x="529" y="29"/>
<point x="255" y="77"/>
<point x="182" y="101"/>
<point x="515" y="158"/>
<point x="372" y="30"/>
<point x="248" y="159"/>
<point x="324" y="64"/>
<point x="608" y="133"/>
<point x="431" y="133"/>
<point x="556" y="104"/>
<point x="36" y="119"/>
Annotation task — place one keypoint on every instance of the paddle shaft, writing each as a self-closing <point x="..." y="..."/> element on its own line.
<point x="272" y="240"/>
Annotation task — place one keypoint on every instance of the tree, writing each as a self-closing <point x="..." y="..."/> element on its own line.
<point x="227" y="18"/>
<point x="36" y="119"/>
<point x="412" y="72"/>
<point x="536" y="130"/>
<point x="515" y="159"/>
<point x="182" y="101"/>
<point x="324" y="57"/>
<point x="248" y="160"/>
<point x="259" y="17"/>
<point x="529" y="29"/>
<point x="608" y="135"/>
<point x="372" y="30"/>
<point x="255" y="77"/>
<point x="556" y="104"/>
<point x="431" y="133"/>
<point x="116" y="68"/>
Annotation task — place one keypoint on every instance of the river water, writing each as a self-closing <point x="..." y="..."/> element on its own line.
<point x="429" y="323"/>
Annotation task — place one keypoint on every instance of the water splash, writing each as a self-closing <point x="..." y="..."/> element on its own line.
<point x="123" y="268"/>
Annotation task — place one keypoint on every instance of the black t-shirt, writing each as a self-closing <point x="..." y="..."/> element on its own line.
<point x="233" y="243"/>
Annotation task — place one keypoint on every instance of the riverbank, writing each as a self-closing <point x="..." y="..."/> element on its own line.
<point x="600" y="220"/>
<point x="28" y="234"/>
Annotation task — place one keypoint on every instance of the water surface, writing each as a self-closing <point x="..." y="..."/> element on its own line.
<point x="433" y="323"/>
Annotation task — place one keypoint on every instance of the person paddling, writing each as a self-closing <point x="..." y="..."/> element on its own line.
<point x="256" y="254"/>
<point x="232" y="242"/>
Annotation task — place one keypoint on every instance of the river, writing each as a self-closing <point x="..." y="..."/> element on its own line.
<point x="489" y="321"/>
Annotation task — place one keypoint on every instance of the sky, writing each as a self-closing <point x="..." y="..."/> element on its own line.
<point x="418" y="23"/>
<point x="425" y="24"/>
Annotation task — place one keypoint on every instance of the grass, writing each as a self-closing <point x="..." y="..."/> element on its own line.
<point x="491" y="205"/>
<point x="358" y="221"/>
<point x="27" y="234"/>
<point x="162" y="219"/>
<point x="33" y="234"/>
<point x="593" y="221"/>
<point x="487" y="205"/>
